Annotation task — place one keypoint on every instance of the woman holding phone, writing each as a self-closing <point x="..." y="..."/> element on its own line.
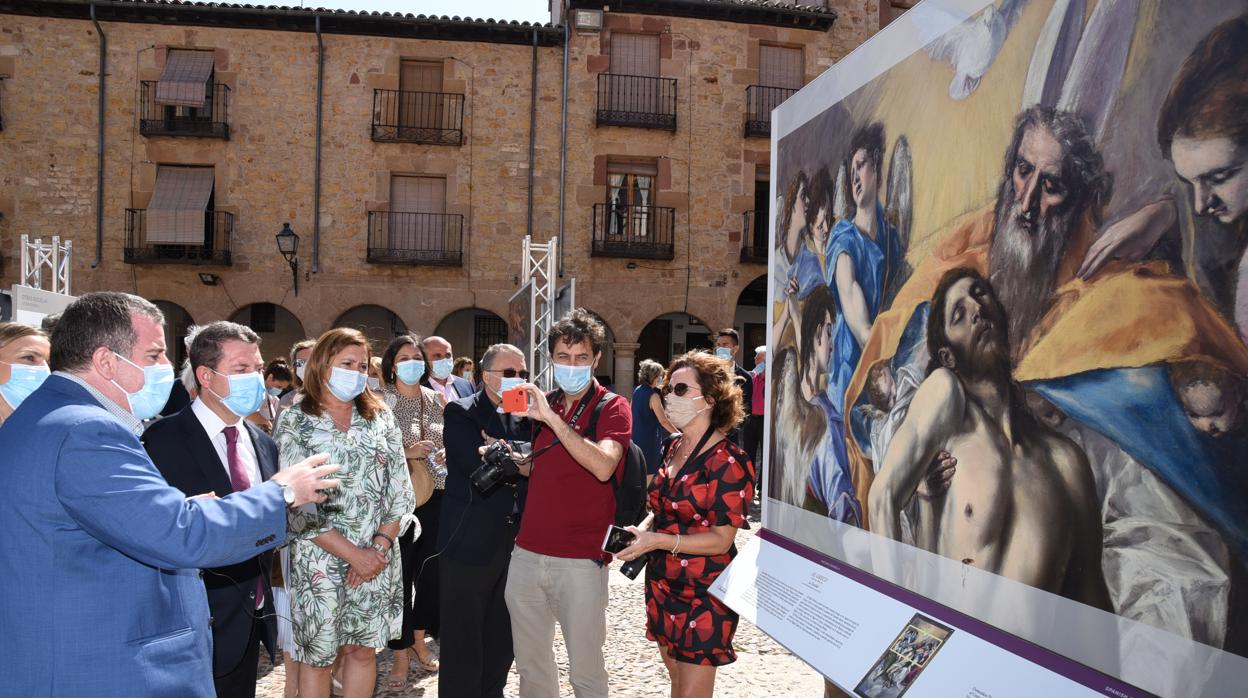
<point x="700" y="497"/>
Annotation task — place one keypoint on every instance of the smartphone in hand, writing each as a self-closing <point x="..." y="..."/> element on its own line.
<point x="617" y="539"/>
<point x="515" y="400"/>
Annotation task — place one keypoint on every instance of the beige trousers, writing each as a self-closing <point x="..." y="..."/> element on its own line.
<point x="543" y="590"/>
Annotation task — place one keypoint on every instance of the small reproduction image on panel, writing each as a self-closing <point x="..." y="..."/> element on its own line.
<point x="904" y="659"/>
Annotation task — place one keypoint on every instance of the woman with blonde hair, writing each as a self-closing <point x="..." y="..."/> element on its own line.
<point x="345" y="587"/>
<point x="650" y="422"/>
<point x="24" y="354"/>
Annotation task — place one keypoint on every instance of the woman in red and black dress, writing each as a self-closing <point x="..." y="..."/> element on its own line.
<point x="699" y="498"/>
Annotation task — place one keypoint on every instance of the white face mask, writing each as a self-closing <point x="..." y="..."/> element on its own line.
<point x="682" y="410"/>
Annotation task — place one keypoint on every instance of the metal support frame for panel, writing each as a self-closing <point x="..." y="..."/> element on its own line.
<point x="541" y="267"/>
<point x="52" y="259"/>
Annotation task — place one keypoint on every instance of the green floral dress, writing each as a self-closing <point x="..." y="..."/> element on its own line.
<point x="374" y="489"/>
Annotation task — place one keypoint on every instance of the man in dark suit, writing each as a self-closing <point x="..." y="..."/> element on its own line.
<point x="727" y="346"/>
<point x="476" y="534"/>
<point x="439" y="377"/>
<point x="209" y="448"/>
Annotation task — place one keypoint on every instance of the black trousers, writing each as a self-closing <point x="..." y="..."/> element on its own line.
<point x="421" y="576"/>
<point x="476" y="628"/>
<point x="753" y="438"/>
<point x="241" y="681"/>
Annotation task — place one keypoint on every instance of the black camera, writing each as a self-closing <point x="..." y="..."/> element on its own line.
<point x="632" y="568"/>
<point x="498" y="465"/>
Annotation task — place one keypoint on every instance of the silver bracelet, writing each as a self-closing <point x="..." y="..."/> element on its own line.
<point x="677" y="546"/>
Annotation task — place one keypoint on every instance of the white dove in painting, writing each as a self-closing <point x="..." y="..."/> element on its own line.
<point x="973" y="46"/>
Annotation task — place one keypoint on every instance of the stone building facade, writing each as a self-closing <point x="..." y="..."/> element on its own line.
<point x="659" y="176"/>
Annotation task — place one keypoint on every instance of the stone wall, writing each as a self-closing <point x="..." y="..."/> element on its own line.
<point x="264" y="172"/>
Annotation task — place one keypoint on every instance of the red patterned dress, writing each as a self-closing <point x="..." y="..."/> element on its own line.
<point x="713" y="489"/>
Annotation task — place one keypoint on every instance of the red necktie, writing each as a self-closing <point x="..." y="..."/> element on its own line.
<point x="239" y="481"/>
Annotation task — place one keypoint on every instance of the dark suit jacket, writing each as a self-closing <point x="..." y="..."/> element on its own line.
<point x="183" y="453"/>
<point x="473" y="524"/>
<point x="745" y="379"/>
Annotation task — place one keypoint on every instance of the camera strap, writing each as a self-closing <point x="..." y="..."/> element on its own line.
<point x="576" y="417"/>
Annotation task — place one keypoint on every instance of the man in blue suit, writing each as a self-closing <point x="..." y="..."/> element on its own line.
<point x="99" y="593"/>
<point x="209" y="446"/>
<point x="441" y="358"/>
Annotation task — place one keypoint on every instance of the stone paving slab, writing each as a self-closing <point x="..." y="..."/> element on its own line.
<point x="763" y="668"/>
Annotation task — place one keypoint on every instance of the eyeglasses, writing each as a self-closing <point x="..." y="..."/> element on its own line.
<point x="509" y="372"/>
<point x="679" y="389"/>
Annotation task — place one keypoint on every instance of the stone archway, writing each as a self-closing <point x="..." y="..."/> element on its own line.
<point x="278" y="327"/>
<point x="378" y="323"/>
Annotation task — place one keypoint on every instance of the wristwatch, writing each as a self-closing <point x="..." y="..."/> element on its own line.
<point x="288" y="493"/>
<point x="385" y="552"/>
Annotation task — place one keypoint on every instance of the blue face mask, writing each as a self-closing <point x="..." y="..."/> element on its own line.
<point x="246" y="393"/>
<point x="572" y="379"/>
<point x="410" y="371"/>
<point x="509" y="383"/>
<point x="275" y="392"/>
<point x="151" y="398"/>
<point x="346" y="385"/>
<point x="758" y="367"/>
<point x="441" y="369"/>
<point x="23" y="380"/>
<point x="723" y="353"/>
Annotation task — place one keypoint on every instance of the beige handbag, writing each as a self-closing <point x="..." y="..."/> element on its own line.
<point x="418" y="468"/>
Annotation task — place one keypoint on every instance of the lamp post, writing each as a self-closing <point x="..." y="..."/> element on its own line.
<point x="288" y="245"/>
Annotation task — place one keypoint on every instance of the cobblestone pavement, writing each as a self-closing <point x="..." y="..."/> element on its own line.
<point x="763" y="668"/>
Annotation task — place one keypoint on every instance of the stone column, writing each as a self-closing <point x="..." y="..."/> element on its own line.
<point x="625" y="367"/>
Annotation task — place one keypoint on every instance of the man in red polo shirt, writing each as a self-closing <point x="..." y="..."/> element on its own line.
<point x="558" y="571"/>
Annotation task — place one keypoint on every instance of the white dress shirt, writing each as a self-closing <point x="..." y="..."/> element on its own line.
<point x="215" y="429"/>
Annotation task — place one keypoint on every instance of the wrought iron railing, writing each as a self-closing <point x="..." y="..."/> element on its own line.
<point x="754" y="237"/>
<point x="214" y="249"/>
<point x="208" y="121"/>
<point x="759" y="101"/>
<point x="418" y="117"/>
<point x="645" y="232"/>
<point x="396" y="237"/>
<point x="636" y="100"/>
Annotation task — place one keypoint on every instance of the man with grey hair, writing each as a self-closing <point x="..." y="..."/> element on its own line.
<point x="100" y="552"/>
<point x="210" y="447"/>
<point x="477" y="533"/>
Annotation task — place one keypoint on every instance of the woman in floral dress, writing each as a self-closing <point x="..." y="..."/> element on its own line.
<point x="699" y="498"/>
<point x="344" y="585"/>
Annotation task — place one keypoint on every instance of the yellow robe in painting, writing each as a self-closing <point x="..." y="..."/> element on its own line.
<point x="1126" y="316"/>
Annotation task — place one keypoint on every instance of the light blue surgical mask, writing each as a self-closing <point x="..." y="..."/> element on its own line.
<point x="345" y="384"/>
<point x="150" y="399"/>
<point x="441" y="369"/>
<point x="23" y="380"/>
<point x="410" y="371"/>
<point x="723" y="353"/>
<point x="275" y="392"/>
<point x="572" y="379"/>
<point x="759" y="367"/>
<point x="246" y="393"/>
<point x="299" y="366"/>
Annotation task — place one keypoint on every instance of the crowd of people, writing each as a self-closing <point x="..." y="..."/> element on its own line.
<point x="329" y="503"/>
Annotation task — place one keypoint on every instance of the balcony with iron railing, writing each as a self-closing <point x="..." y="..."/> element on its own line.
<point x="436" y="118"/>
<point x="208" y="121"/>
<point x="636" y="100"/>
<point x="396" y="237"/>
<point x="759" y="101"/>
<point x="214" y="249"/>
<point x="754" y="237"/>
<point x="641" y="232"/>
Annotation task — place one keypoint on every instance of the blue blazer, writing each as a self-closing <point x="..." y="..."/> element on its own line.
<point x="99" y="589"/>
<point x="183" y="452"/>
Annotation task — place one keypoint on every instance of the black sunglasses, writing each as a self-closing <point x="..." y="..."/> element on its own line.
<point x="679" y="389"/>
<point x="509" y="372"/>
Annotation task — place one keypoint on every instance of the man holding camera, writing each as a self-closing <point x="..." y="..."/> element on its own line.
<point x="480" y="519"/>
<point x="558" y="570"/>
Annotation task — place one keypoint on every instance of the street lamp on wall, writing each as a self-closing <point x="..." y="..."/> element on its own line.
<point x="288" y="245"/>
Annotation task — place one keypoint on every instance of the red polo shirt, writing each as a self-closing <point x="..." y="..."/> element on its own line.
<point x="568" y="510"/>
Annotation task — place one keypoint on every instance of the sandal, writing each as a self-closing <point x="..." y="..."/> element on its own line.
<point x="394" y="682"/>
<point x="429" y="664"/>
